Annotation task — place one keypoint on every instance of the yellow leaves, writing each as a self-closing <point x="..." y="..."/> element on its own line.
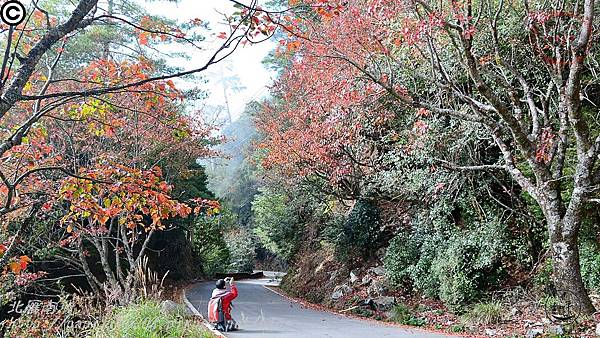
<point x="92" y="109"/>
<point x="28" y="86"/>
<point x="41" y="130"/>
<point x="70" y="228"/>
<point x="212" y="211"/>
<point x="86" y="111"/>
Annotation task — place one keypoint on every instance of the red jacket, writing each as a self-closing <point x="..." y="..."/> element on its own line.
<point x="226" y="298"/>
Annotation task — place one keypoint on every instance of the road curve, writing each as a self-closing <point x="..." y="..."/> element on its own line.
<point x="263" y="313"/>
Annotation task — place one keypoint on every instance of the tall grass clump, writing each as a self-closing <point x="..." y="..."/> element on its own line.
<point x="484" y="313"/>
<point x="147" y="320"/>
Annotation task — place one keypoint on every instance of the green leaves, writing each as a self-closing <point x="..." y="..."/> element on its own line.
<point x="276" y="224"/>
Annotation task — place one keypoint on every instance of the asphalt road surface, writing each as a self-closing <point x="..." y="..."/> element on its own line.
<point x="260" y="312"/>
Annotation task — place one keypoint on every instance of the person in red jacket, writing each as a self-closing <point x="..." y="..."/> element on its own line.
<point x="219" y="306"/>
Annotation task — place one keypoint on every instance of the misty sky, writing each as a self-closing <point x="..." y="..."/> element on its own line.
<point x="245" y="62"/>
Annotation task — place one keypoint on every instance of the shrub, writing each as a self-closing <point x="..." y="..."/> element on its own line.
<point x="484" y="313"/>
<point x="147" y="319"/>
<point x="403" y="314"/>
<point x="360" y="234"/>
<point x="456" y="328"/>
<point x="543" y="277"/>
<point x="400" y="312"/>
<point x="359" y="311"/>
<point x="400" y="257"/>
<point x="410" y="256"/>
<point x="470" y="264"/>
<point x="589" y="256"/>
<point x="454" y="265"/>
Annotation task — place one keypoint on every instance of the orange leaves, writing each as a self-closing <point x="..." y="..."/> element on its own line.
<point x="24" y="260"/>
<point x="486" y="59"/>
<point x="14" y="267"/>
<point x="127" y="195"/>
<point x="156" y="171"/>
<point x="112" y="72"/>
<point x="128" y="127"/>
<point x="171" y="84"/>
<point x="154" y="106"/>
<point x="210" y="207"/>
<point x="155" y="29"/>
<point x="293" y="45"/>
<point x="327" y="9"/>
<point x="18" y="265"/>
<point x="143" y="38"/>
<point x="183" y="210"/>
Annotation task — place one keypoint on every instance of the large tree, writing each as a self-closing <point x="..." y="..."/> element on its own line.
<point x="525" y="72"/>
<point x="86" y="102"/>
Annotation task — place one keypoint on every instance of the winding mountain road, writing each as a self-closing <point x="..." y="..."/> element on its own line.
<point x="261" y="312"/>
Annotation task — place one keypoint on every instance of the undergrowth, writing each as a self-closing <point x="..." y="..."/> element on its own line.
<point x="403" y="314"/>
<point x="148" y="320"/>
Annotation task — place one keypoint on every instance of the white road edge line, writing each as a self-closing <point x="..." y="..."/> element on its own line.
<point x="197" y="313"/>
<point x="266" y="286"/>
<point x="414" y="329"/>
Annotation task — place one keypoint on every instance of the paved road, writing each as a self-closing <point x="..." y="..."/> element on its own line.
<point x="262" y="313"/>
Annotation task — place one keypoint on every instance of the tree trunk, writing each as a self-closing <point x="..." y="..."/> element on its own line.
<point x="92" y="280"/>
<point x="567" y="271"/>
